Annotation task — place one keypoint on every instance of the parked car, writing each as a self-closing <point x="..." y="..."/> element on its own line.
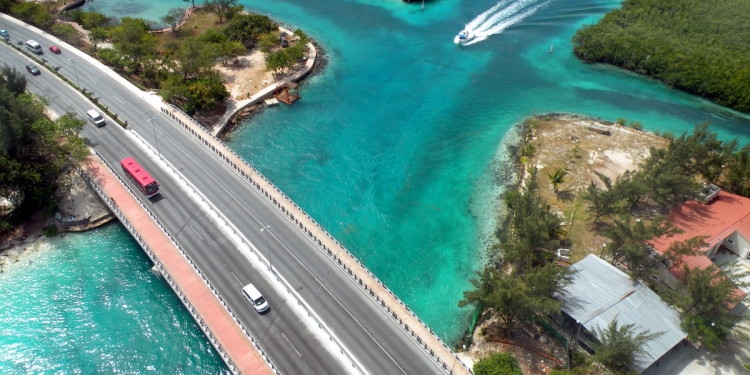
<point x="31" y="68"/>
<point x="54" y="49"/>
<point x="4" y="34"/>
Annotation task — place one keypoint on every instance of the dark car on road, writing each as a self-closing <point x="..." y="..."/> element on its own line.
<point x="4" y="34"/>
<point x="31" y="68"/>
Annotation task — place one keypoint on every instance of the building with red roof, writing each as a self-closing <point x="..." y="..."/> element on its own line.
<point x="725" y="221"/>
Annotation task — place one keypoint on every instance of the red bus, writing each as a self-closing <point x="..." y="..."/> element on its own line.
<point x="145" y="183"/>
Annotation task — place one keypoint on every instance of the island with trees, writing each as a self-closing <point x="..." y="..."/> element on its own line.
<point x="181" y="61"/>
<point x="602" y="188"/>
<point x="696" y="46"/>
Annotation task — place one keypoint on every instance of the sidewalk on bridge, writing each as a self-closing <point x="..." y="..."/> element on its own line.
<point x="231" y="337"/>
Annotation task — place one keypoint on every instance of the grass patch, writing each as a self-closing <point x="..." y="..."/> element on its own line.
<point x="200" y="21"/>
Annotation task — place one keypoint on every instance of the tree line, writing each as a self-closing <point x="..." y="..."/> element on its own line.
<point x="694" y="45"/>
<point x="34" y="150"/>
<point x="519" y="279"/>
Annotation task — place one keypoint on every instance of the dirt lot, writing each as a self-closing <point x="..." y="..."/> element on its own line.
<point x="566" y="141"/>
<point x="534" y="349"/>
<point x="246" y="77"/>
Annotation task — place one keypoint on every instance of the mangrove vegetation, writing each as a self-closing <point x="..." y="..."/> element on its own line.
<point x="697" y="46"/>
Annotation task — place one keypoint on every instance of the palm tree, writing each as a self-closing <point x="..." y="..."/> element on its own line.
<point x="557" y="177"/>
<point x="619" y="345"/>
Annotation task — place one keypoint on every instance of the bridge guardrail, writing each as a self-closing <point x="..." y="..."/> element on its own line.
<point x="204" y="139"/>
<point x="287" y="287"/>
<point x="183" y="298"/>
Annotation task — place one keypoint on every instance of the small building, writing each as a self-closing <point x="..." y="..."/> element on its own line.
<point x="600" y="293"/>
<point x="724" y="218"/>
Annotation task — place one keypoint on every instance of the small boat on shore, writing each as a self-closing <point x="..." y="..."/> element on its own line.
<point x="463" y="37"/>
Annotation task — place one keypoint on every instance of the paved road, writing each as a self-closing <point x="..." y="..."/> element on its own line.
<point x="378" y="344"/>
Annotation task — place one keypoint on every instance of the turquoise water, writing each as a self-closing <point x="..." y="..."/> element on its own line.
<point x="89" y="304"/>
<point x="397" y="147"/>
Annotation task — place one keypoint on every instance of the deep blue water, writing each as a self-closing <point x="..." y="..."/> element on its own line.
<point x="397" y="146"/>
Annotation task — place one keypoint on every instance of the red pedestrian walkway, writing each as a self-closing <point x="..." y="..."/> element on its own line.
<point x="223" y="331"/>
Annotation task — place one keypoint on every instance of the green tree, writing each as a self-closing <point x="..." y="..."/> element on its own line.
<point x="303" y="38"/>
<point x="268" y="41"/>
<point x="111" y="57"/>
<point x="518" y="297"/>
<point x="497" y="364"/>
<point x="33" y="13"/>
<point x="247" y="28"/>
<point x="601" y="202"/>
<point x="193" y="57"/>
<point x="190" y="1"/>
<point x="276" y="61"/>
<point x="91" y="20"/>
<point x="294" y="54"/>
<point x="557" y="177"/>
<point x="533" y="231"/>
<point x="629" y="241"/>
<point x="173" y="18"/>
<point x="66" y="32"/>
<point x="619" y="345"/>
<point x="710" y="294"/>
<point x="133" y="39"/>
<point x="678" y="250"/>
<point x="220" y="7"/>
<point x="98" y="35"/>
<point x="35" y="150"/>
<point x="738" y="172"/>
<point x="233" y="50"/>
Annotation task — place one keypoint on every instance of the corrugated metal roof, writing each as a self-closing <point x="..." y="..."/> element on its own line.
<point x="600" y="293"/>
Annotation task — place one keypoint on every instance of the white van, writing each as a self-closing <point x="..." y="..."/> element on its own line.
<point x="255" y="298"/>
<point x="34" y="46"/>
<point x="95" y="118"/>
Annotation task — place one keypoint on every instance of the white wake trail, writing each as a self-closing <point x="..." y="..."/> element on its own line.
<point x="499" y="27"/>
<point x="503" y="15"/>
<point x="500" y="17"/>
<point x="482" y="17"/>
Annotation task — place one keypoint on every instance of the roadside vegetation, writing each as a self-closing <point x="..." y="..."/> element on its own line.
<point x="692" y="45"/>
<point x="34" y="151"/>
<point x="180" y="63"/>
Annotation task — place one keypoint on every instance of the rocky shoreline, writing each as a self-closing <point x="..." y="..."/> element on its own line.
<point x="79" y="209"/>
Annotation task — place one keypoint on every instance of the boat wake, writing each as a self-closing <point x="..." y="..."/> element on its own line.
<point x="498" y="18"/>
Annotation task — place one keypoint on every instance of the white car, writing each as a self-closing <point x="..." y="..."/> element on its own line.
<point x="255" y="298"/>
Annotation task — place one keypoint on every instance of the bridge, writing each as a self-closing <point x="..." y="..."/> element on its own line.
<point x="329" y="315"/>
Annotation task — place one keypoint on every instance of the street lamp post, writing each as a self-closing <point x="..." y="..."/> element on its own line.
<point x="75" y="71"/>
<point x="265" y="229"/>
<point x="156" y="140"/>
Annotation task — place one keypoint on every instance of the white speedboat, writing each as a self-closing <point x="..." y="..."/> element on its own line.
<point x="463" y="37"/>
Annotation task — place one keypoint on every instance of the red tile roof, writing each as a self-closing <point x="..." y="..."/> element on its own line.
<point x="699" y="261"/>
<point x="717" y="220"/>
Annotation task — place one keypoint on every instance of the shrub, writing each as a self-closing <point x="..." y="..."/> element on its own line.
<point x="498" y="364"/>
<point x="50" y="230"/>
